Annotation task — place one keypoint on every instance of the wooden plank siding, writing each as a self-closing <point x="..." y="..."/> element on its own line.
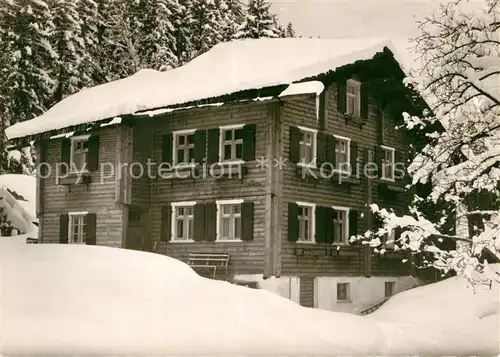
<point x="300" y="110"/>
<point x="246" y="257"/>
<point x="97" y="197"/>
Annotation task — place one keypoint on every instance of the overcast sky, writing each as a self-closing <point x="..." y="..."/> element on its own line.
<point x="355" y="18"/>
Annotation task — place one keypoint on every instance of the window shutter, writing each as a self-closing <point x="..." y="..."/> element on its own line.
<point x="321" y="148"/>
<point x="341" y="95"/>
<point x="322" y="110"/>
<point x="398" y="158"/>
<point x="200" y="145"/>
<point x="249" y="142"/>
<point x="65" y="154"/>
<point x="319" y="219"/>
<point x="93" y="158"/>
<point x="364" y="100"/>
<point x="294" y="144"/>
<point x="213" y="146"/>
<point x="91" y="233"/>
<point x="167" y="142"/>
<point x="354" y="157"/>
<point x="247" y="216"/>
<point x="199" y="222"/>
<point x="328" y="218"/>
<point x="166" y="224"/>
<point x="63" y="228"/>
<point x="210" y="221"/>
<point x="330" y="149"/>
<point x="353" y="223"/>
<point x="378" y="160"/>
<point x="293" y="222"/>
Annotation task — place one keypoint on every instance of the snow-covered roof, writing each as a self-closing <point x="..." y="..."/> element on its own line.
<point x="227" y="68"/>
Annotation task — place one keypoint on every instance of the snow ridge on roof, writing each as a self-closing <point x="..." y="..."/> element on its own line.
<point x="227" y="68"/>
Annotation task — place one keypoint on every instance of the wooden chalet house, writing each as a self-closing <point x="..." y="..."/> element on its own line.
<point x="261" y="176"/>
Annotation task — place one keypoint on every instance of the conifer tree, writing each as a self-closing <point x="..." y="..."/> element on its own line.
<point x="259" y="21"/>
<point x="205" y="25"/>
<point x="290" y="32"/>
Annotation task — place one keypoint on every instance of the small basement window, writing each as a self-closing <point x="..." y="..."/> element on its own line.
<point x="390" y="287"/>
<point x="343" y="292"/>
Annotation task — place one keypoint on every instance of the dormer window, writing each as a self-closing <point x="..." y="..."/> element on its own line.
<point x="353" y="98"/>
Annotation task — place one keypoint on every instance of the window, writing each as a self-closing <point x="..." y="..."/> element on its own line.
<point x="389" y="288"/>
<point x="182" y="221"/>
<point x="343" y="292"/>
<point x="340" y="225"/>
<point x="389" y="240"/>
<point x="306" y="222"/>
<point x="342" y="153"/>
<point x="353" y="98"/>
<point x="183" y="147"/>
<point x="388" y="164"/>
<point x="77" y="228"/>
<point x="79" y="153"/>
<point x="231" y="143"/>
<point x="229" y="220"/>
<point x="307" y="146"/>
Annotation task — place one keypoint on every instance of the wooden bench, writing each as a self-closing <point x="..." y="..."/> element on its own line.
<point x="209" y="261"/>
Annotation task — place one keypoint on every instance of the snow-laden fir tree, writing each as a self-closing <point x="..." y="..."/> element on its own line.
<point x="290" y="32"/>
<point x="460" y="78"/>
<point x="259" y="21"/>
<point x="206" y="24"/>
<point x="232" y="16"/>
<point x="88" y="13"/>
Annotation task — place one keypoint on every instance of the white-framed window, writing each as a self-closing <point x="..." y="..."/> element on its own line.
<point x="229" y="220"/>
<point x="231" y="143"/>
<point x="340" y="225"/>
<point x="342" y="153"/>
<point x="343" y="291"/>
<point x="77" y="227"/>
<point x="306" y="212"/>
<point x="182" y="221"/>
<point x="388" y="163"/>
<point x="307" y="146"/>
<point x="389" y="288"/>
<point x="183" y="147"/>
<point x="79" y="153"/>
<point x="353" y="97"/>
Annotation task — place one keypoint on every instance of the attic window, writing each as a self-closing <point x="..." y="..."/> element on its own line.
<point x="353" y="97"/>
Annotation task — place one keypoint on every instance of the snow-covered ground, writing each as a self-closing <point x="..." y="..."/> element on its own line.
<point x="73" y="299"/>
<point x="18" y="200"/>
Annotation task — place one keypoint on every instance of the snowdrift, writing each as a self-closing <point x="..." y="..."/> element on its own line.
<point x="88" y="300"/>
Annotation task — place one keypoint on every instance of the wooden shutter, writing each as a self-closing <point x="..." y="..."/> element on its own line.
<point x="63" y="228"/>
<point x="294" y="144"/>
<point x="65" y="154"/>
<point x="293" y="222"/>
<point x="247" y="217"/>
<point x="341" y="95"/>
<point x="167" y="143"/>
<point x="249" y="131"/>
<point x="210" y="221"/>
<point x="200" y="145"/>
<point x="213" y="146"/>
<point x="353" y="223"/>
<point x="166" y="224"/>
<point x="330" y="149"/>
<point x="321" y="148"/>
<point x="354" y="157"/>
<point x="378" y="160"/>
<point x="399" y="158"/>
<point x="320" y="236"/>
<point x="328" y="224"/>
<point x="93" y="157"/>
<point x="365" y="99"/>
<point x="91" y="233"/>
<point x="322" y="110"/>
<point x="199" y="222"/>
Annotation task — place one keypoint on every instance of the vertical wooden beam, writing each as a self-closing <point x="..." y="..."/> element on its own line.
<point x="268" y="201"/>
<point x="118" y="170"/>
<point x="367" y="250"/>
<point x="277" y="189"/>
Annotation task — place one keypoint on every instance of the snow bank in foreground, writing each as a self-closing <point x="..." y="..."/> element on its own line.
<point x="443" y="318"/>
<point x="23" y="185"/>
<point x="68" y="299"/>
<point x="72" y="299"/>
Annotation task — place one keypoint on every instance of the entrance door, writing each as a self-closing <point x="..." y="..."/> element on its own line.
<point x="135" y="230"/>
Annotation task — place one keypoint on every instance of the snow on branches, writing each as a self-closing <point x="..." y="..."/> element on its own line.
<point x="459" y="49"/>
